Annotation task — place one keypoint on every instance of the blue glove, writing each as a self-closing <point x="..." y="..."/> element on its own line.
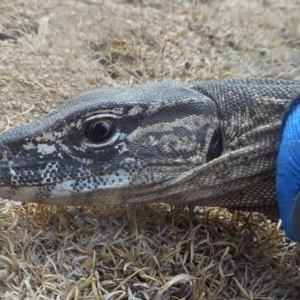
<point x="288" y="172"/>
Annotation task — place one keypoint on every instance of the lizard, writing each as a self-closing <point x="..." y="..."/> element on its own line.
<point x="210" y="143"/>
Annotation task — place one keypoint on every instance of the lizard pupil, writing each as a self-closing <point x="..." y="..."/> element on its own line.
<point x="100" y="130"/>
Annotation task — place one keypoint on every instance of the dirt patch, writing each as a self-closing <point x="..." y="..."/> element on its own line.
<point x="65" y="48"/>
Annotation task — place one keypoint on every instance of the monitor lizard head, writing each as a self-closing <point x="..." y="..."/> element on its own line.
<point x="111" y="146"/>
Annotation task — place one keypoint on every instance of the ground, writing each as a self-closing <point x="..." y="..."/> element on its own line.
<point x="64" y="48"/>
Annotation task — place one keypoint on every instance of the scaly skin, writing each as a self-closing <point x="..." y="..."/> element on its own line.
<point x="210" y="143"/>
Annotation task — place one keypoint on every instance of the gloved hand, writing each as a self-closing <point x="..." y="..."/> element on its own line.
<point x="288" y="172"/>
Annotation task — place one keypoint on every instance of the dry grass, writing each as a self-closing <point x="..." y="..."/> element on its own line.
<point x="68" y="47"/>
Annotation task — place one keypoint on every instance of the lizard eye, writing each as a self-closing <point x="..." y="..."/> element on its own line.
<point x="100" y="130"/>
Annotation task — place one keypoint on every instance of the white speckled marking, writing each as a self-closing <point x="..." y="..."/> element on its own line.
<point x="135" y="110"/>
<point x="46" y="149"/>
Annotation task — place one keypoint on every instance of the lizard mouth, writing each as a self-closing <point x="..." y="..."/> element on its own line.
<point x="77" y="187"/>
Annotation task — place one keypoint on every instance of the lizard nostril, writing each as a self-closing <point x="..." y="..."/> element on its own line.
<point x="3" y="156"/>
<point x="4" y="153"/>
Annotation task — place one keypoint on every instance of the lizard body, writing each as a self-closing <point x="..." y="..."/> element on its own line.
<point x="213" y="143"/>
